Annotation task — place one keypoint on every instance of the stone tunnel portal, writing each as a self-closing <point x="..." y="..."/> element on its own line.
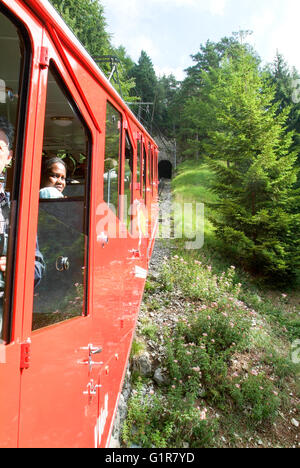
<point x="165" y="169"/>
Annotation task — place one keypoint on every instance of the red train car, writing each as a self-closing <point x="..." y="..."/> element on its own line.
<point x="73" y="265"/>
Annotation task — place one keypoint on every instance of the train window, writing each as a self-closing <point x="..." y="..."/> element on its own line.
<point x="15" y="59"/>
<point x="139" y="161"/>
<point x="153" y="168"/>
<point x="150" y="165"/>
<point x="112" y="156"/>
<point x="144" y="173"/>
<point x="128" y="182"/>
<point x="62" y="222"/>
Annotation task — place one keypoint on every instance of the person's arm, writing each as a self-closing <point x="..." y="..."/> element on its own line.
<point x="39" y="266"/>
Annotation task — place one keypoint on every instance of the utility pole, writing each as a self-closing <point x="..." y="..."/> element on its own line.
<point x="113" y="61"/>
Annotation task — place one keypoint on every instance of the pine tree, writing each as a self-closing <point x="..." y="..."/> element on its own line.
<point x="146" y="87"/>
<point x="249" y="151"/>
<point x="193" y="121"/>
<point x="286" y="83"/>
<point x="165" y="110"/>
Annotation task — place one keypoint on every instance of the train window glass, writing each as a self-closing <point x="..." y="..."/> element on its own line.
<point x="14" y="70"/>
<point x="150" y="165"/>
<point x="144" y="173"/>
<point x="153" y="168"/>
<point x="128" y="182"/>
<point x="63" y="205"/>
<point x="139" y="161"/>
<point x="112" y="157"/>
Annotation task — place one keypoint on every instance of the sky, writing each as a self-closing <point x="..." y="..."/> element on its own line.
<point x="170" y="31"/>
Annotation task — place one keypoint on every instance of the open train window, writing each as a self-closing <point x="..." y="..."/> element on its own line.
<point x="15" y="59"/>
<point x="63" y="209"/>
<point x="112" y="158"/>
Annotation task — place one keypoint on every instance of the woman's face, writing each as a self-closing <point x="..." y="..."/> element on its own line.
<point x="56" y="177"/>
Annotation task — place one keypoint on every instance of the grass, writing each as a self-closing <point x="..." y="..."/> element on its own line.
<point x="231" y="358"/>
<point x="191" y="185"/>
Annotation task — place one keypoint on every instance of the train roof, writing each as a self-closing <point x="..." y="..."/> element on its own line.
<point x="50" y="17"/>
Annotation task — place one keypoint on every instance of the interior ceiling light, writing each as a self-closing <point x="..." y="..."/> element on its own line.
<point x="62" y="121"/>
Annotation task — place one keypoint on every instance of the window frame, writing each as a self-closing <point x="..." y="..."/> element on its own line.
<point x="57" y="74"/>
<point x="19" y="145"/>
<point x="145" y="169"/>
<point x="127" y="215"/>
<point x="118" y="211"/>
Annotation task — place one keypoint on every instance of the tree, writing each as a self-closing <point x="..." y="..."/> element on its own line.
<point x="86" y="19"/>
<point x="145" y="87"/>
<point x="286" y="82"/>
<point x="192" y="122"/>
<point x="254" y="217"/>
<point x="165" y="106"/>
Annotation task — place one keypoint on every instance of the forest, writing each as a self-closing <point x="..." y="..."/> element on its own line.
<point x="231" y="113"/>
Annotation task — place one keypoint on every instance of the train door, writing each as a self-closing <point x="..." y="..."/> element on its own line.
<point x="59" y="396"/>
<point x="116" y="247"/>
<point x="15" y="59"/>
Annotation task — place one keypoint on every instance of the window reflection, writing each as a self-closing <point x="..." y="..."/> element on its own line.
<point x="112" y="152"/>
<point x="128" y="182"/>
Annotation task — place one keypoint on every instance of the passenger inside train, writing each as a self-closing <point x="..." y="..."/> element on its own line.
<point x="53" y="179"/>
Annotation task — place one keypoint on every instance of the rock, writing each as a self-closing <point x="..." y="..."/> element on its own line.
<point x="142" y="364"/>
<point x="115" y="437"/>
<point x="159" y="377"/>
<point x="121" y="413"/>
<point x="122" y="408"/>
<point x="114" y="442"/>
<point x="295" y="422"/>
<point x="127" y="385"/>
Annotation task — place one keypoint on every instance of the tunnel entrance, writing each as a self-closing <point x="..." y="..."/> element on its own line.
<point x="165" y="169"/>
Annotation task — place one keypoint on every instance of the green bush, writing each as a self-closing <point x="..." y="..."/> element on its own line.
<point x="256" y="396"/>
